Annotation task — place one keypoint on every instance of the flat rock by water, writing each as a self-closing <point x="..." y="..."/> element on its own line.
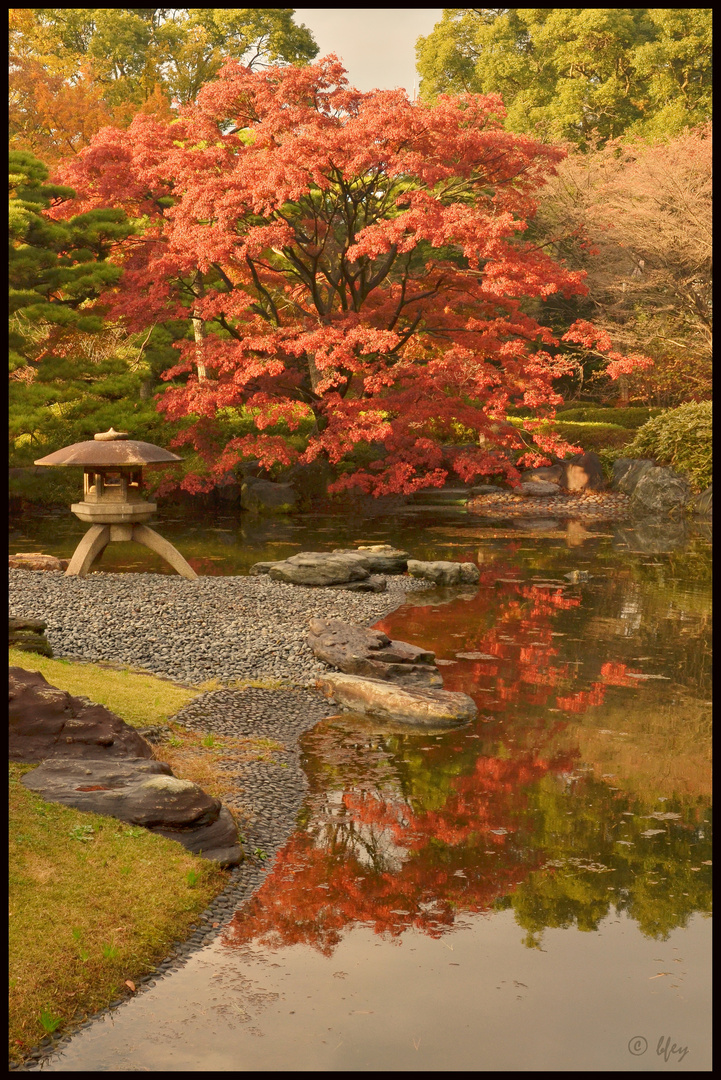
<point x="357" y="650"/>
<point x="320" y="568"/>
<point x="385" y="699"/>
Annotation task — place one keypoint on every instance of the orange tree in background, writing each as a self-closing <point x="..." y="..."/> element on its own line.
<point x="352" y="262"/>
<point x="75" y="70"/>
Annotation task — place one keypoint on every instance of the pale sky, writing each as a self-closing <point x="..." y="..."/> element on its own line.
<point x="377" y="45"/>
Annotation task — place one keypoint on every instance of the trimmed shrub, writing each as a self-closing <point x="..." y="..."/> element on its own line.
<point x="632" y="417"/>
<point x="680" y="438"/>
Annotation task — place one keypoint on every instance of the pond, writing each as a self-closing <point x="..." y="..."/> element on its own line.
<point x="530" y="892"/>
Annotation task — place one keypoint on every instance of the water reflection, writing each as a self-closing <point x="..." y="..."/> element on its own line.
<point x="583" y="789"/>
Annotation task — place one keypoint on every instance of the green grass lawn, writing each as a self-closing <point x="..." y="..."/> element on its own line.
<point x="96" y="903"/>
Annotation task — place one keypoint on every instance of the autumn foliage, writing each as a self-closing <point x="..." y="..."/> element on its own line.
<point x="351" y="263"/>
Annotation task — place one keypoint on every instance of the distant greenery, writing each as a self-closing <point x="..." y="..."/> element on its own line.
<point x="680" y="438"/>
<point x="564" y="73"/>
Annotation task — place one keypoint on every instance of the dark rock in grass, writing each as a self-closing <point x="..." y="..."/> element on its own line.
<point x="217" y="840"/>
<point x="29" y="636"/>
<point x="444" y="573"/>
<point x="46" y="722"/>
<point x="357" y="650"/>
<point x="145" y="793"/>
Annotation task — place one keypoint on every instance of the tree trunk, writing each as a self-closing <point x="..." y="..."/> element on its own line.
<point x="199" y="331"/>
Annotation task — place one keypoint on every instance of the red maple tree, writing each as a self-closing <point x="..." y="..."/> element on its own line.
<point x="352" y="265"/>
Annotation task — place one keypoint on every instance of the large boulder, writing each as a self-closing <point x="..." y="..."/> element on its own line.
<point x="45" y="722"/>
<point x="660" y="491"/>
<point x="412" y="705"/>
<point x="379" y="558"/>
<point x="35" y="560"/>
<point x="444" y="573"/>
<point x="29" y="636"/>
<point x="628" y="471"/>
<point x="264" y="497"/>
<point x="357" y="650"/>
<point x="583" y="472"/>
<point x="145" y="793"/>
<point x="320" y="568"/>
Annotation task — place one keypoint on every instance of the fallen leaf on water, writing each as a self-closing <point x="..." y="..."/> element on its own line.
<point x="638" y="675"/>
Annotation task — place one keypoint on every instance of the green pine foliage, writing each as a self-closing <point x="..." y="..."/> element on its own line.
<point x="680" y="438"/>
<point x="72" y="373"/>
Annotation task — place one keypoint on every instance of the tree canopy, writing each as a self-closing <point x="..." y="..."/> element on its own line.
<point x="566" y="72"/>
<point x="73" y="70"/>
<point x="353" y="259"/>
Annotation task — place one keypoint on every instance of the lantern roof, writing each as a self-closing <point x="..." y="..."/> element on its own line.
<point x="109" y="448"/>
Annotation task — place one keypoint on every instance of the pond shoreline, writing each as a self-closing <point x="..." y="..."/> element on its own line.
<point x="269" y="793"/>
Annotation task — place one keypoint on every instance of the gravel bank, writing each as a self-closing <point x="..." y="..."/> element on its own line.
<point x="223" y="628"/>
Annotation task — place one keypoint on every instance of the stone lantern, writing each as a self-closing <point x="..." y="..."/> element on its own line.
<point x="113" y="502"/>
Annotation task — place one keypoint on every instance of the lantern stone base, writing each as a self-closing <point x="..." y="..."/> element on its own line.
<point x="99" y="536"/>
<point x="109" y="513"/>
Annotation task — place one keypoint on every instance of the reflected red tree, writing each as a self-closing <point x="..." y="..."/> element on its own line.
<point x="410" y="833"/>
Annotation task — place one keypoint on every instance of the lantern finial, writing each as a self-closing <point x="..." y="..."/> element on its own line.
<point x="110" y="435"/>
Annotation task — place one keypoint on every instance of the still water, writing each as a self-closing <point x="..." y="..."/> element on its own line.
<point x="530" y="892"/>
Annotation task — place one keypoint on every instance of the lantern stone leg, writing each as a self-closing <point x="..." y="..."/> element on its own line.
<point x="92" y="544"/>
<point x="143" y="534"/>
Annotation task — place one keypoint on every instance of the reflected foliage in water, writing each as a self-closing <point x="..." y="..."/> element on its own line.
<point x="582" y="789"/>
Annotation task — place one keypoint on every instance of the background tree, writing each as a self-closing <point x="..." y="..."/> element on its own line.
<point x="74" y="70"/>
<point x="564" y="73"/>
<point x="349" y="259"/>
<point x="637" y="218"/>
<point x="71" y="372"/>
